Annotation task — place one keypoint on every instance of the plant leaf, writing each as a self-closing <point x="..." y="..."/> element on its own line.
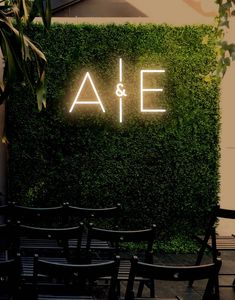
<point x="205" y="40"/>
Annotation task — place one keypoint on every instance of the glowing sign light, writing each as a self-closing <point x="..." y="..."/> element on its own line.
<point x="80" y="102"/>
<point x="142" y="90"/>
<point x="120" y="92"/>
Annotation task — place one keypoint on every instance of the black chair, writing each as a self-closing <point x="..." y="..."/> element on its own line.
<point x="4" y="213"/>
<point x="35" y="239"/>
<point x="216" y="243"/>
<point x="10" y="279"/>
<point x="117" y="239"/>
<point x="73" y="281"/>
<point x="37" y="216"/>
<point x="86" y="215"/>
<point x="108" y="216"/>
<point x="50" y="243"/>
<point x="8" y="246"/>
<point x="173" y="273"/>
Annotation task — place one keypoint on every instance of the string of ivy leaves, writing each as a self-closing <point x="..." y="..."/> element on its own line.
<point x="225" y="52"/>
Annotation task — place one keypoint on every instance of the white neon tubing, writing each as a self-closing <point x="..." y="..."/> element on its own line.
<point x="120" y="99"/>
<point x="142" y="90"/>
<point x="78" y="102"/>
<point x="120" y="69"/>
<point x="120" y="109"/>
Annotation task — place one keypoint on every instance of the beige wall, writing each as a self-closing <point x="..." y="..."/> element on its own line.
<point x="227" y="168"/>
<point x="179" y="12"/>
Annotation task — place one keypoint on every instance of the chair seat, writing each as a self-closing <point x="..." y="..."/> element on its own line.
<point x="124" y="270"/>
<point x="95" y="244"/>
<point x="175" y="298"/>
<point x="3" y="255"/>
<point x="27" y="264"/>
<point x="48" y="297"/>
<point x="53" y="244"/>
<point x="39" y="244"/>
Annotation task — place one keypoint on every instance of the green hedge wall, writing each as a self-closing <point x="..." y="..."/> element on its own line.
<point x="163" y="167"/>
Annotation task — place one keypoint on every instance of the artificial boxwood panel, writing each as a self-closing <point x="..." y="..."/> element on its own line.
<point x="162" y="167"/>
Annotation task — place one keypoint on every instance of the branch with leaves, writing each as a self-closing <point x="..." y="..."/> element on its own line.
<point x="18" y="51"/>
<point x="225" y="51"/>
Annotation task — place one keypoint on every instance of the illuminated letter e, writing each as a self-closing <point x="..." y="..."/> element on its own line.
<point x="144" y="90"/>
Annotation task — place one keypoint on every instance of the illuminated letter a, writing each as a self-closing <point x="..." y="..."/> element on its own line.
<point x="78" y="102"/>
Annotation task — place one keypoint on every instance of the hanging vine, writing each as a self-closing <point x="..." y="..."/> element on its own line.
<point x="225" y="51"/>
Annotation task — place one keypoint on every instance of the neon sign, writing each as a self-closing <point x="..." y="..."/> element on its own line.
<point x="120" y="92"/>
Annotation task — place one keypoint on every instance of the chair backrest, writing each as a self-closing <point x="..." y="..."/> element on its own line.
<point x="37" y="216"/>
<point x="87" y="215"/>
<point x="7" y="241"/>
<point x="10" y="278"/>
<point x="117" y="237"/>
<point x="4" y="213"/>
<point x="61" y="235"/>
<point x="217" y="213"/>
<point x="59" y="216"/>
<point x="75" y="278"/>
<point x="173" y="273"/>
<point x="220" y="213"/>
<point x="225" y="213"/>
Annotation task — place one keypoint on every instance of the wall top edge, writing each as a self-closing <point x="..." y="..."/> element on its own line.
<point x="138" y="20"/>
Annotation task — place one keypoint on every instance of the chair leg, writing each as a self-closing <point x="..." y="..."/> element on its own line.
<point x="212" y="289"/>
<point x="199" y="259"/>
<point x="217" y="295"/>
<point x="140" y="289"/>
<point x="150" y="285"/>
<point x="118" y="288"/>
<point x="234" y="284"/>
<point x="152" y="288"/>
